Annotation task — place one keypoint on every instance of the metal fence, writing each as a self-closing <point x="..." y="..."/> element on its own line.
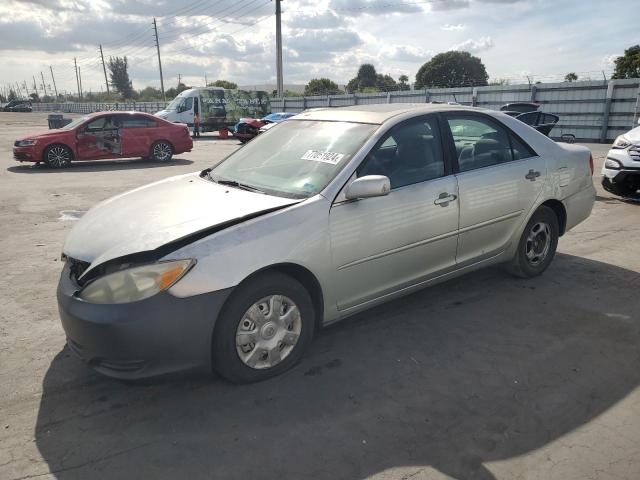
<point x="591" y="110"/>
<point x="148" y="107"/>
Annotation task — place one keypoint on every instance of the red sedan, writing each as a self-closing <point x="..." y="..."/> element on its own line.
<point x="105" y="135"/>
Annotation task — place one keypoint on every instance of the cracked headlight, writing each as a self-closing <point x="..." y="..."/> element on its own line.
<point x="133" y="284"/>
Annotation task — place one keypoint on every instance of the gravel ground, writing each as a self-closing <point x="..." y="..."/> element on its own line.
<point x="483" y="377"/>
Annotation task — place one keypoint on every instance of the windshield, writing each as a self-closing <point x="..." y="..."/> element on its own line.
<point x="295" y="159"/>
<point x="174" y="103"/>
<point x="75" y="123"/>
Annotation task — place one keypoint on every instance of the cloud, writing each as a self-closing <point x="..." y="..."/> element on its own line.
<point x="310" y="45"/>
<point x="314" y="21"/>
<point x="354" y="8"/>
<point x="474" y="46"/>
<point x="450" y="28"/>
<point x="406" y="53"/>
<point x="609" y="61"/>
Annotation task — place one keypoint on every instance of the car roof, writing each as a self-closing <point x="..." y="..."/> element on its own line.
<point x="119" y="112"/>
<point x="378" y="113"/>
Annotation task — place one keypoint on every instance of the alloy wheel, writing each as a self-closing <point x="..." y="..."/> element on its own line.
<point x="268" y="332"/>
<point x="161" y="151"/>
<point x="58" y="157"/>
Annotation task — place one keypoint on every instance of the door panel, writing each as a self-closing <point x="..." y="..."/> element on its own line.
<point x="98" y="139"/>
<point x="383" y="244"/>
<point x="495" y="194"/>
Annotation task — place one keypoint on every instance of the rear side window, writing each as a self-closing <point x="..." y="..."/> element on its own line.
<point x="479" y="143"/>
<point x="520" y="149"/>
<point x="136" y="121"/>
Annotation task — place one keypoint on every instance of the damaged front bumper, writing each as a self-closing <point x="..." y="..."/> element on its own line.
<point x="154" y="336"/>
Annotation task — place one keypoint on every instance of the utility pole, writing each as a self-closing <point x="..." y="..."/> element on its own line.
<point x="205" y="79"/>
<point x="80" y="77"/>
<point x="35" y="85"/>
<point x="54" y="81"/>
<point x="280" y="86"/>
<point x="75" y="64"/>
<point x="155" y="29"/>
<point x="104" y="69"/>
<point x="179" y="78"/>
<point x="44" y="88"/>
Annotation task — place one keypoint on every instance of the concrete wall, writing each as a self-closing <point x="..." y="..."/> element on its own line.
<point x="591" y="110"/>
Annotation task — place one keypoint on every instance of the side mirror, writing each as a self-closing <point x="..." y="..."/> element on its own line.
<point x="367" y="187"/>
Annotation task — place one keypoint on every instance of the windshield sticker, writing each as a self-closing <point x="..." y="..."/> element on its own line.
<point x="325" y="157"/>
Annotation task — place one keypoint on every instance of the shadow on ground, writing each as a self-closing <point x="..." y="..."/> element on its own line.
<point x="100" y="166"/>
<point x="478" y="369"/>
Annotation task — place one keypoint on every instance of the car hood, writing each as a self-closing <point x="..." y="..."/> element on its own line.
<point x="47" y="133"/>
<point x="151" y="216"/>
<point x="633" y="135"/>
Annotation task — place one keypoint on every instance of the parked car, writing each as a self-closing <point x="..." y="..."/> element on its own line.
<point x="248" y="128"/>
<point x="18" y="106"/>
<point x="528" y="113"/>
<point x="332" y="212"/>
<point x="621" y="169"/>
<point x="105" y="135"/>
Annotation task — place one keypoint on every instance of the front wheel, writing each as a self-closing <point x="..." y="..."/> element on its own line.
<point x="58" y="156"/>
<point x="264" y="329"/>
<point x="161" y="151"/>
<point x="537" y="245"/>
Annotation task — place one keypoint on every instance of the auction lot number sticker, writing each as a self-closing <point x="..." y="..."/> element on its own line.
<point x="320" y="156"/>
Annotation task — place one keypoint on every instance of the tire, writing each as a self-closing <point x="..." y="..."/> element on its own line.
<point x="619" y="189"/>
<point x="249" y="345"/>
<point x="537" y="245"/>
<point x="161" y="151"/>
<point x="57" y="156"/>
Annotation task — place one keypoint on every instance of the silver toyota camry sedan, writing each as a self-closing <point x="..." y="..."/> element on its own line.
<point x="327" y="214"/>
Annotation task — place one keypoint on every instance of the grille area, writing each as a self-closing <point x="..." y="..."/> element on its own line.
<point x="76" y="269"/>
<point x="634" y="152"/>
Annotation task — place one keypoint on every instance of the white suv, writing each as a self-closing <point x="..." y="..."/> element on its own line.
<point x="621" y="169"/>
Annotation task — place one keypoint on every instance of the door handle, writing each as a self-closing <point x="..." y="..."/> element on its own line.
<point x="532" y="175"/>
<point x="444" y="199"/>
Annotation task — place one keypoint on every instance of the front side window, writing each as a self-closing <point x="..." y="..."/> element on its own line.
<point x="295" y="159"/>
<point x="97" y="124"/>
<point x="479" y="143"/>
<point x="411" y="153"/>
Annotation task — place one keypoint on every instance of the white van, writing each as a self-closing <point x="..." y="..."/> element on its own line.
<point x="216" y="107"/>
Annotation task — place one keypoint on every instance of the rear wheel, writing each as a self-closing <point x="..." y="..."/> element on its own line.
<point x="161" y="151"/>
<point x="58" y="156"/>
<point x="537" y="245"/>
<point x="264" y="329"/>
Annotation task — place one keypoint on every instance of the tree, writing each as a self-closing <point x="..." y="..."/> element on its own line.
<point x="224" y="84"/>
<point x="118" y="72"/>
<point x="499" y="81"/>
<point x="404" y="83"/>
<point x="12" y="95"/>
<point x="366" y="77"/>
<point x="570" y="77"/>
<point x="385" y="83"/>
<point x="149" y="94"/>
<point x="452" y="69"/>
<point x="628" y="65"/>
<point x="321" y="86"/>
<point x="34" y="97"/>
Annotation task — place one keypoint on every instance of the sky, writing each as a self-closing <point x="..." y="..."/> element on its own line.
<point x="235" y="39"/>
